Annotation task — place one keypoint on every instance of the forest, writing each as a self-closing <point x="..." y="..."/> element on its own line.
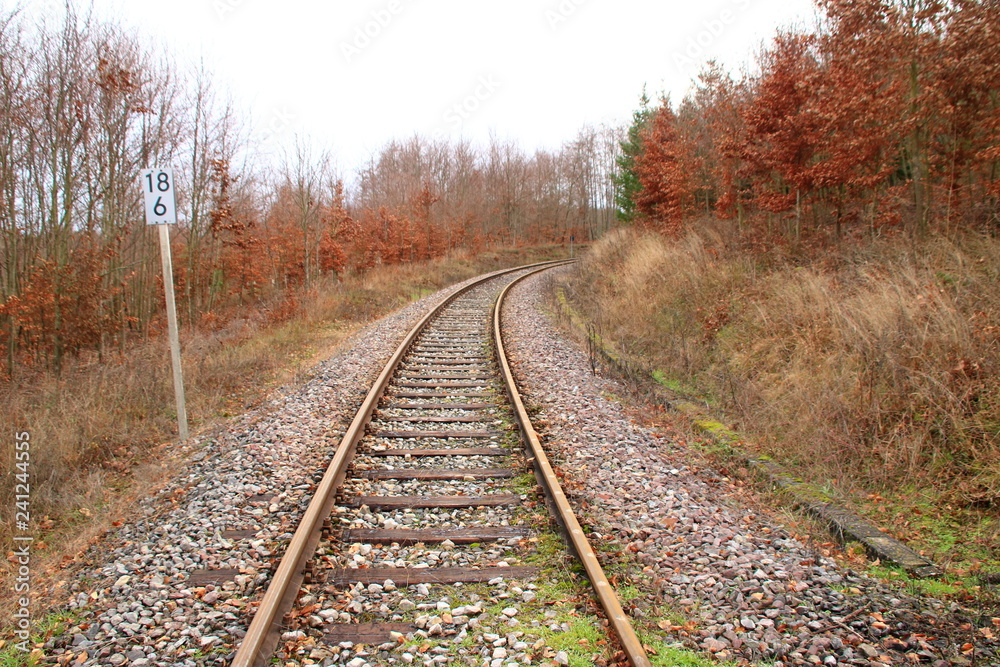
<point x="85" y="107"/>
<point x="882" y="119"/>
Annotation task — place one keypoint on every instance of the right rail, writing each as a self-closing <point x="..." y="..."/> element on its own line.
<point x="546" y="476"/>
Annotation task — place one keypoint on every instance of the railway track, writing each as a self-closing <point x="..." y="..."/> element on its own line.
<point x="421" y="542"/>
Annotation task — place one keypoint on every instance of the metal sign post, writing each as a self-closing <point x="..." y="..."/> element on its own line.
<point x="161" y="210"/>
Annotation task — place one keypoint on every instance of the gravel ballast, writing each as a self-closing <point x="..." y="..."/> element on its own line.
<point x="495" y="614"/>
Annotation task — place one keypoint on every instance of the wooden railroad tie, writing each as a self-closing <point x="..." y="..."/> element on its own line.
<point x="429" y="536"/>
<point x="403" y="576"/>
<point x="239" y="533"/>
<point x="214" y="577"/>
<point x="414" y="419"/>
<point x="440" y="406"/>
<point x="470" y="451"/>
<point x="441" y="358"/>
<point x="438" y="475"/>
<point x="441" y="365"/>
<point x="365" y="633"/>
<point x="456" y="384"/>
<point x="442" y="394"/>
<point x="434" y="502"/>
<point x="435" y="434"/>
<point x="450" y="376"/>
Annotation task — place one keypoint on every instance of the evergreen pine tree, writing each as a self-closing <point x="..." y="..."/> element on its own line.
<point x="626" y="181"/>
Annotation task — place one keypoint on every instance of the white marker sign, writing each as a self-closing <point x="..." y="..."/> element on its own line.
<point x="161" y="210"/>
<point x="158" y="189"/>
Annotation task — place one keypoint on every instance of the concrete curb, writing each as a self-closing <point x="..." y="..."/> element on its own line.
<point x="844" y="524"/>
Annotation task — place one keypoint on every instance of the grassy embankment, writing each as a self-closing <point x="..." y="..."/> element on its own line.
<point x="100" y="434"/>
<point x="870" y="370"/>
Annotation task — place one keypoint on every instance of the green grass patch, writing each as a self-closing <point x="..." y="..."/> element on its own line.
<point x="939" y="588"/>
<point x="582" y="639"/>
<point x="959" y="539"/>
<point x="44" y="628"/>
<point x="524" y="484"/>
<point x="672" y="655"/>
<point x="675" y="385"/>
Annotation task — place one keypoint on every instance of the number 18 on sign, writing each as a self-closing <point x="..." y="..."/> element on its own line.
<point x="161" y="210"/>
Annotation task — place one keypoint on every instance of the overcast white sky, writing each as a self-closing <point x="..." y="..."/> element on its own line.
<point x="351" y="74"/>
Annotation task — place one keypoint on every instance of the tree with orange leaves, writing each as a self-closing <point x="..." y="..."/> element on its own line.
<point x="967" y="78"/>
<point x="858" y="108"/>
<point x="428" y="241"/>
<point x="662" y="170"/>
<point x="336" y="225"/>
<point x="782" y="127"/>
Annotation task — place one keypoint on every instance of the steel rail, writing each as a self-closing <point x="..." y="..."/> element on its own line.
<point x="619" y="621"/>
<point x="262" y="636"/>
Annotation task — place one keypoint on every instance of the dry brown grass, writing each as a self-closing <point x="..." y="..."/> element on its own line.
<point x="98" y="432"/>
<point x="874" y="365"/>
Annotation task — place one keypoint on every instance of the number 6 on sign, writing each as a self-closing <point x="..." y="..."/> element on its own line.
<point x="158" y="189"/>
